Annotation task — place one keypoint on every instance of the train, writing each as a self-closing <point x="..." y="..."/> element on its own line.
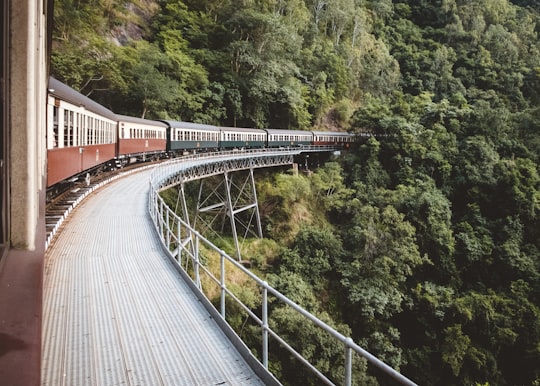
<point x="84" y="137"/>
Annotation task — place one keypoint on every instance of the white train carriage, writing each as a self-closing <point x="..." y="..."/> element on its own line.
<point x="140" y="139"/>
<point x="238" y="138"/>
<point x="285" y="138"/>
<point x="81" y="134"/>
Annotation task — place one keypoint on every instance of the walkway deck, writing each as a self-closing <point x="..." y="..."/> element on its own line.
<point x="116" y="311"/>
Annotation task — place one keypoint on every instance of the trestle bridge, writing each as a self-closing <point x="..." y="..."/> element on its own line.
<point x="124" y="296"/>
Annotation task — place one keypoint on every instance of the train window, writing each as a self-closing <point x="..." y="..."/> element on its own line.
<point x="55" y="126"/>
<point x="89" y="134"/>
<point x="80" y="126"/>
<point x="67" y="116"/>
<point x="86" y="128"/>
<point x="73" y="126"/>
<point x="78" y="129"/>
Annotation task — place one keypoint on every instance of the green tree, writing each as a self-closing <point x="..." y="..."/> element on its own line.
<point x="152" y="91"/>
<point x="315" y="253"/>
<point x="384" y="255"/>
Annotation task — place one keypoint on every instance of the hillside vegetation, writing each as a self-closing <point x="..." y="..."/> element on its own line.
<point x="424" y="243"/>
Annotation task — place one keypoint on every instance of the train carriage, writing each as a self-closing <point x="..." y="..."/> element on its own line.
<point x="322" y="138"/>
<point x="81" y="134"/>
<point x="285" y="138"/>
<point x="237" y="138"/>
<point x="187" y="136"/>
<point x="140" y="139"/>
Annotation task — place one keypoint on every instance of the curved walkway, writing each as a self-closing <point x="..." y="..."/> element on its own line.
<point x="117" y="312"/>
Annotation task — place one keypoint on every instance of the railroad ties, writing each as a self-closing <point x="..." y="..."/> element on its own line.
<point x="59" y="208"/>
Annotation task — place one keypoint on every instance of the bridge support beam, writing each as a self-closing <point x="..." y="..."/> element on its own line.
<point x="235" y="197"/>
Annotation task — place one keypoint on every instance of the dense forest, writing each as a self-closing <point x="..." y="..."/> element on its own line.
<point x="424" y="243"/>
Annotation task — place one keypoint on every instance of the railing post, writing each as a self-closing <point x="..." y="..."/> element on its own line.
<point x="179" y="242"/>
<point x="168" y="229"/>
<point x="197" y="262"/>
<point x="223" y="285"/>
<point x="348" y="362"/>
<point x="265" y="325"/>
<point x="161" y="203"/>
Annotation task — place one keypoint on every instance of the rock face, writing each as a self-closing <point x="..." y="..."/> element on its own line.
<point x="136" y="21"/>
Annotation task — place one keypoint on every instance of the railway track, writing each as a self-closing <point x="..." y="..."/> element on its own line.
<point x="59" y="208"/>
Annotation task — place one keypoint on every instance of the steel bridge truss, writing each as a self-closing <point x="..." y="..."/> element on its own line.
<point x="233" y="196"/>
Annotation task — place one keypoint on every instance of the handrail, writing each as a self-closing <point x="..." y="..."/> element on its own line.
<point x="181" y="240"/>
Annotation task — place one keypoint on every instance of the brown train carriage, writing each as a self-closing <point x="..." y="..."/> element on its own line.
<point x="332" y="138"/>
<point x="81" y="134"/>
<point x="140" y="139"/>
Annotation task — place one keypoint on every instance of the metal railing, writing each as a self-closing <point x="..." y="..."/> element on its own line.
<point x="185" y="244"/>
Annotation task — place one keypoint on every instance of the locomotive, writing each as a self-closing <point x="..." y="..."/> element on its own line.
<point x="85" y="137"/>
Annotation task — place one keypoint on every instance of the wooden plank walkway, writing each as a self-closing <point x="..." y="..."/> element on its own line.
<point x="116" y="311"/>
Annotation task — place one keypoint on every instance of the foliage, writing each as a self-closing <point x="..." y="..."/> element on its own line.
<point x="424" y="241"/>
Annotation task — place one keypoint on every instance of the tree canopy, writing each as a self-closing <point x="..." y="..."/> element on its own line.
<point x="424" y="241"/>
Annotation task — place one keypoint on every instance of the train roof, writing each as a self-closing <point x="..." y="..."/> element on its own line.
<point x="190" y="125"/>
<point x="342" y="133"/>
<point x="66" y="93"/>
<point x="127" y="118"/>
<point x="242" y="129"/>
<point x="286" y="131"/>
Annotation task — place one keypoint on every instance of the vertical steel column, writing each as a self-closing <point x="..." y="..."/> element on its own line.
<point x="230" y="211"/>
<point x="185" y="213"/>
<point x="257" y="213"/>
